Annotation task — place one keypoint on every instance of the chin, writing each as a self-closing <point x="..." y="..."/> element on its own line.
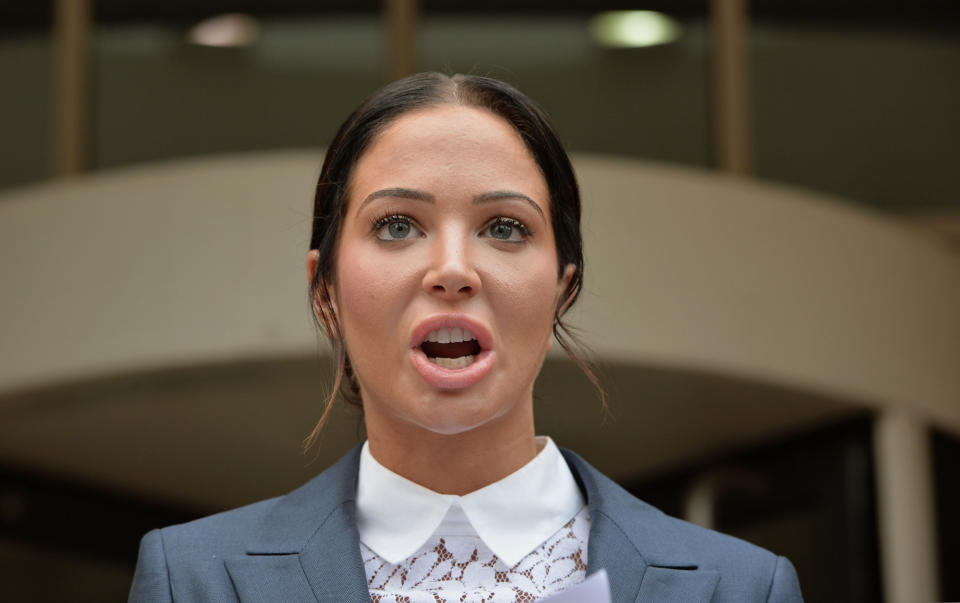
<point x="454" y="413"/>
<point x="494" y="404"/>
<point x="459" y="412"/>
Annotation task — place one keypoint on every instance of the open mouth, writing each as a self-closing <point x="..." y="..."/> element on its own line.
<point x="451" y="348"/>
<point x="452" y="351"/>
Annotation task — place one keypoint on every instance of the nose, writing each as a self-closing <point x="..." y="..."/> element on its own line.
<point x="451" y="275"/>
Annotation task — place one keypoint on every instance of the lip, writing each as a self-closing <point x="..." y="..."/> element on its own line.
<point x="445" y="378"/>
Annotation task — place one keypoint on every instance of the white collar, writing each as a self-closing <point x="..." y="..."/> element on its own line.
<point x="512" y="516"/>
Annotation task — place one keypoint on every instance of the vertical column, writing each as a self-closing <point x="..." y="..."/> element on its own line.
<point x="400" y="19"/>
<point x="72" y="24"/>
<point x="905" y="505"/>
<point x="705" y="492"/>
<point x="730" y="85"/>
<point x="700" y="503"/>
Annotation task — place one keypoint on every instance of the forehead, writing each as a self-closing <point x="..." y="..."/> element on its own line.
<point x="452" y="148"/>
<point x="456" y="123"/>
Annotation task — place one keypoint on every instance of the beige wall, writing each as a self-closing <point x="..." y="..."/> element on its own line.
<point x="202" y="260"/>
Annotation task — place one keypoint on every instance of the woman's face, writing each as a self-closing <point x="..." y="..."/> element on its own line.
<point x="446" y="277"/>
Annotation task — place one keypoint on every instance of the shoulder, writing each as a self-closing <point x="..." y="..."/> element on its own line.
<point x="186" y="561"/>
<point x="744" y="568"/>
<point x="276" y="523"/>
<point x="714" y="549"/>
<point x="222" y="534"/>
<point x="746" y="572"/>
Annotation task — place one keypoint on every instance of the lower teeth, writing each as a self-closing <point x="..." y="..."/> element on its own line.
<point x="454" y="363"/>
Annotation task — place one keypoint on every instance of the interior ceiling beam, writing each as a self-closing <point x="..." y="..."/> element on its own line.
<point x="943" y="13"/>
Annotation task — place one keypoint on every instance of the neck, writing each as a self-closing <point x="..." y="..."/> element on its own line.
<point x="457" y="463"/>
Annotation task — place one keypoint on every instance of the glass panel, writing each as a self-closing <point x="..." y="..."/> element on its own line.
<point x="160" y="97"/>
<point x="26" y="63"/>
<point x="867" y="113"/>
<point x="646" y="102"/>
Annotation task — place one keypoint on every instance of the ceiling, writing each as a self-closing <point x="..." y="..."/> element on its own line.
<point x="939" y="13"/>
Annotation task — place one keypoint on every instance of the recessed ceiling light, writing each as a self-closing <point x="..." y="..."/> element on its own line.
<point x="227" y="30"/>
<point x="633" y="28"/>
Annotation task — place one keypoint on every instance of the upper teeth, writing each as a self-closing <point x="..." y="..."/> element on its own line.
<point x="454" y="335"/>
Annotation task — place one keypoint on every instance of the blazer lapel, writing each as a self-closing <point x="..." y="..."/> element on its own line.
<point x="331" y="560"/>
<point x="637" y="545"/>
<point x="306" y="548"/>
<point x="670" y="584"/>
<point x="270" y="578"/>
<point x="609" y="549"/>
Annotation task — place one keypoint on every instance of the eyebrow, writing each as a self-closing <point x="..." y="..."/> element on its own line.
<point x="409" y="193"/>
<point x="499" y="195"/>
<point x="397" y="193"/>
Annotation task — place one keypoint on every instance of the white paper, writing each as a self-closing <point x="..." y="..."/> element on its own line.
<point x="595" y="589"/>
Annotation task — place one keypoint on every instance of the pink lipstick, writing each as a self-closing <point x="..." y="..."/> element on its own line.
<point x="451" y="351"/>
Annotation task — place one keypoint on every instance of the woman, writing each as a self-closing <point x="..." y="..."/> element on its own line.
<point x="445" y="250"/>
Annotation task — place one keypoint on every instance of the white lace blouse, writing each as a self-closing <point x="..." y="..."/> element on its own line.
<point x="517" y="540"/>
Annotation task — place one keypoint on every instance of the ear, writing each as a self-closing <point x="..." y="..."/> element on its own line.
<point x="323" y="306"/>
<point x="562" y="286"/>
<point x="313" y="260"/>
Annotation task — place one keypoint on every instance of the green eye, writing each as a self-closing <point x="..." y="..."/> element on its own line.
<point x="395" y="228"/>
<point x="507" y="230"/>
<point x="398" y="230"/>
<point x="501" y="230"/>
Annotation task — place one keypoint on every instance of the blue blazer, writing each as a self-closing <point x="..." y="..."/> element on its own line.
<point x="304" y="547"/>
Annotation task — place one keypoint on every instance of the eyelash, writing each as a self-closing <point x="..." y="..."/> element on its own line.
<point x="381" y="220"/>
<point x="510" y="222"/>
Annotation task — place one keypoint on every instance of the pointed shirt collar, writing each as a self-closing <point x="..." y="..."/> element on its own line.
<point x="512" y="516"/>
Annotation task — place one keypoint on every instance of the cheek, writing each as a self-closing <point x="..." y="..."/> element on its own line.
<point x="361" y="286"/>
<point x="370" y="292"/>
<point x="527" y="295"/>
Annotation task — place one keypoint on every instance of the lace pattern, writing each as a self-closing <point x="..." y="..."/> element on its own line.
<point x="461" y="569"/>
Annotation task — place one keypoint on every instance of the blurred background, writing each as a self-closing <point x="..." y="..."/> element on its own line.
<point x="772" y="232"/>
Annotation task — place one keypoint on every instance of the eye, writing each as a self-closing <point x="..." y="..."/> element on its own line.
<point x="395" y="228"/>
<point x="506" y="229"/>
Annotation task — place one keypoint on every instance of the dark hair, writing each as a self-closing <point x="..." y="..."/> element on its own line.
<point x="372" y="117"/>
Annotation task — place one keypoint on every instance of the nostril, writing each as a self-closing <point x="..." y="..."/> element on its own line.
<point x="451" y="283"/>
